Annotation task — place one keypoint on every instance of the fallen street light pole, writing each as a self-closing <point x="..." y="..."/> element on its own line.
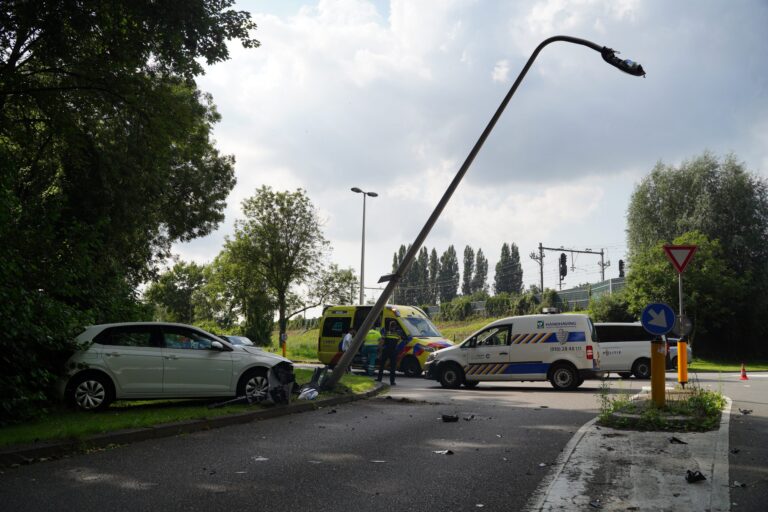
<point x="609" y="56"/>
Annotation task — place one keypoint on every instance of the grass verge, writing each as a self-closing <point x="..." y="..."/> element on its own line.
<point x="719" y="365"/>
<point x="63" y="423"/>
<point x="686" y="410"/>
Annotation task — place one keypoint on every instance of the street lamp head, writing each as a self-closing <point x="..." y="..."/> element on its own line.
<point x="372" y="194"/>
<point x="355" y="189"/>
<point x="626" y="65"/>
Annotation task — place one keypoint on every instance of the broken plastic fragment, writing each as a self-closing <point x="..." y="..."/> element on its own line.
<point x="745" y="411"/>
<point x="694" y="476"/>
<point x="443" y="452"/>
<point x="595" y="504"/>
<point x="674" y="440"/>
<point x="259" y="458"/>
<point x="450" y="418"/>
<point x="378" y="461"/>
<point x="736" y="483"/>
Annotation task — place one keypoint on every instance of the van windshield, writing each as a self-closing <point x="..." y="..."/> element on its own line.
<point x="421" y="327"/>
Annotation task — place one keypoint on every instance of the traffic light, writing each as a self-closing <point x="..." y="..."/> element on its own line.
<point x="621" y="268"/>
<point x="563" y="265"/>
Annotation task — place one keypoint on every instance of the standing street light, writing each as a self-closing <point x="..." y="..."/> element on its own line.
<point x="362" y="251"/>
<point x="609" y="56"/>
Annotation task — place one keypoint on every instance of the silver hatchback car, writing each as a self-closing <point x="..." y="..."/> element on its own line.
<point x="153" y="360"/>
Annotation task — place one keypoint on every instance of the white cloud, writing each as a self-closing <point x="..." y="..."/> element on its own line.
<point x="391" y="98"/>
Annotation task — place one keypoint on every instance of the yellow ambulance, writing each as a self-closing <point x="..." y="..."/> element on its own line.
<point x="419" y="335"/>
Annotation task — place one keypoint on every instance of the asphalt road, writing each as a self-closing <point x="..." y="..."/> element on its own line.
<point x="376" y="454"/>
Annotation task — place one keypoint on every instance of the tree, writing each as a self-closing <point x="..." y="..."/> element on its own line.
<point x="448" y="281"/>
<point x="500" y="280"/>
<point x="469" y="268"/>
<point x="719" y="199"/>
<point x="423" y="283"/>
<point x="509" y="271"/>
<point x="714" y="297"/>
<point x="281" y="238"/>
<point x="480" y="279"/>
<point x="235" y="299"/>
<point x="716" y="197"/>
<point x="172" y="294"/>
<point x="106" y="160"/>
<point x="434" y="276"/>
<point x="515" y="273"/>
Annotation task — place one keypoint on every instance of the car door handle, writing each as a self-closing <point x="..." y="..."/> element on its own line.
<point x="503" y="353"/>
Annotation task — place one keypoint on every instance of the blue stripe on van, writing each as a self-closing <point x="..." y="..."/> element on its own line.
<point x="519" y="368"/>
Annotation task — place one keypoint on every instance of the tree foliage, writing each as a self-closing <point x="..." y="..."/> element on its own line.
<point x="719" y="202"/>
<point x="480" y="279"/>
<point x="509" y="271"/>
<point x="281" y="239"/>
<point x="468" y="270"/>
<point x="714" y="293"/>
<point x="106" y="159"/>
<point x="448" y="280"/>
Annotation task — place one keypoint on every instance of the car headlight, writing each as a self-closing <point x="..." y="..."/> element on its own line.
<point x="431" y="357"/>
<point x="429" y="349"/>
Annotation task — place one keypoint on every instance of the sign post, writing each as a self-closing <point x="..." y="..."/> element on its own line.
<point x="680" y="256"/>
<point x="658" y="319"/>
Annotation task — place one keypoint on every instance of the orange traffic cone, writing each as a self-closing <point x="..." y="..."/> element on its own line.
<point x="743" y="373"/>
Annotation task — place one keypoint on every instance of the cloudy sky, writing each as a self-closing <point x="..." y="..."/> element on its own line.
<point x="391" y="96"/>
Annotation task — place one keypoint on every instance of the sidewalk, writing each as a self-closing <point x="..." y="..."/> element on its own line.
<point x="607" y="469"/>
<point x="40" y="452"/>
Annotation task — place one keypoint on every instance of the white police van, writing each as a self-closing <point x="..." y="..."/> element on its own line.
<point x="625" y="348"/>
<point x="555" y="347"/>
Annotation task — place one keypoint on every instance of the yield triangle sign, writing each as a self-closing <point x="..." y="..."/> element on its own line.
<point x="680" y="255"/>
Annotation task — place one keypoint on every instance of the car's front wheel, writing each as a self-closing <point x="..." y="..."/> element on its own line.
<point x="451" y="375"/>
<point x="254" y="385"/>
<point x="410" y="367"/>
<point x="90" y="392"/>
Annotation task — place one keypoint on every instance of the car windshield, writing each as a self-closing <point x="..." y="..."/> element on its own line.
<point x="239" y="340"/>
<point x="422" y="327"/>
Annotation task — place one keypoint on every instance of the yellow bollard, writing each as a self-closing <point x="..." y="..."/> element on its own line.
<point x="658" y="377"/>
<point x="682" y="362"/>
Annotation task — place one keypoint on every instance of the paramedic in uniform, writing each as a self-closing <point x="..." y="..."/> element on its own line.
<point x="371" y="349"/>
<point x="389" y="342"/>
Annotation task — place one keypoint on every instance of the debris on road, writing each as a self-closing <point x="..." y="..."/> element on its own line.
<point x="595" y="504"/>
<point x="332" y="411"/>
<point x="735" y="450"/>
<point x="308" y="394"/>
<point x="450" y="418"/>
<point x="694" y="476"/>
<point x="378" y="461"/>
<point x="736" y="483"/>
<point x="675" y="440"/>
<point x="745" y="411"/>
<point x="443" y="452"/>
<point x="469" y="418"/>
<point x="259" y="458"/>
<point x="542" y="464"/>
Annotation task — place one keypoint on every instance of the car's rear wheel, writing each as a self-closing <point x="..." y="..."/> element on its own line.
<point x="564" y="377"/>
<point x="642" y="368"/>
<point x="451" y="375"/>
<point x="90" y="392"/>
<point x="254" y="385"/>
<point x="410" y="367"/>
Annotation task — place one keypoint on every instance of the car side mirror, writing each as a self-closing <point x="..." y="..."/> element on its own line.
<point x="216" y="345"/>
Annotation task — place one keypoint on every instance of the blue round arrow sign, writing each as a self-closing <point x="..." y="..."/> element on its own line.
<point x="658" y="319"/>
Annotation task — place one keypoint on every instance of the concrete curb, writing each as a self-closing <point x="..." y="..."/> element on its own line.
<point x="40" y="452"/>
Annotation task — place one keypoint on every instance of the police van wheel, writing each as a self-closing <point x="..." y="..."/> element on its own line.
<point x="564" y="377"/>
<point x="410" y="367"/>
<point x="451" y="376"/>
<point x="642" y="368"/>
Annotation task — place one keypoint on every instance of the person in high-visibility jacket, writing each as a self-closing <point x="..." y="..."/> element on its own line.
<point x="389" y="350"/>
<point x="371" y="349"/>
